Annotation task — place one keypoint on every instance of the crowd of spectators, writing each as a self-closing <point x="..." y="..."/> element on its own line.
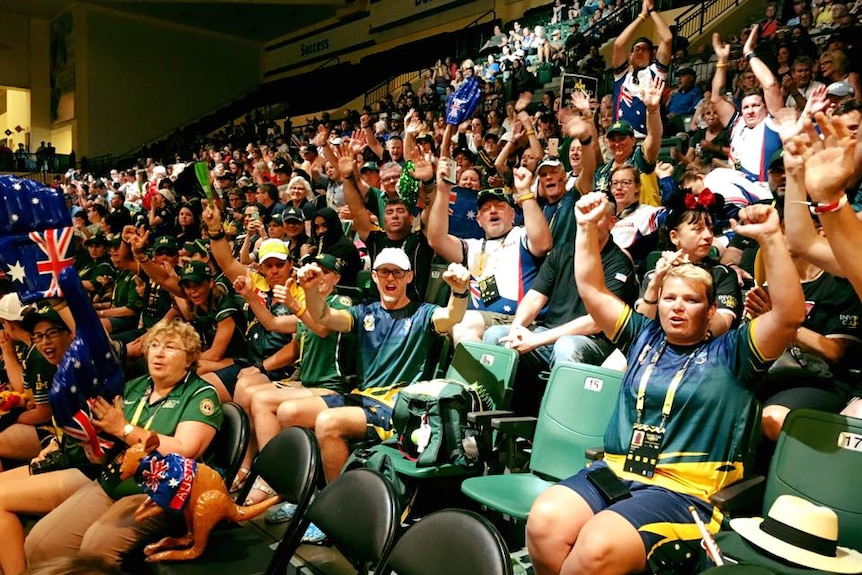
<point x="568" y="228"/>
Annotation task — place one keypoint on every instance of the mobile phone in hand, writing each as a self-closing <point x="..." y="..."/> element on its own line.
<point x="451" y="171"/>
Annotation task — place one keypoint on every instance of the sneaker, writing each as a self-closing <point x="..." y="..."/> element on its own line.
<point x="280" y="513"/>
<point x="313" y="535"/>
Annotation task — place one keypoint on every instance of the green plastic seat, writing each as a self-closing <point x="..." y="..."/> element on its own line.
<point x="819" y="457"/>
<point x="575" y="410"/>
<point x="493" y="368"/>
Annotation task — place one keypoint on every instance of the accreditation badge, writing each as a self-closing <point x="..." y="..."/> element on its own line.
<point x="644" y="449"/>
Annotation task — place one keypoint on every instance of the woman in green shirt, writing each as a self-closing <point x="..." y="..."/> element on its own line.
<point x="174" y="402"/>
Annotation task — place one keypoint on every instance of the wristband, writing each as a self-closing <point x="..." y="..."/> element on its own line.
<point x="220" y="235"/>
<point x="143" y="260"/>
<point x="525" y="197"/>
<point x="462" y="295"/>
<point x="649" y="301"/>
<point x="820" y="208"/>
<point x="642" y="17"/>
<point x="721" y="65"/>
<point x="651" y="111"/>
<point x="530" y="133"/>
<point x="302" y="309"/>
<point x="587" y="142"/>
<point x="750" y="55"/>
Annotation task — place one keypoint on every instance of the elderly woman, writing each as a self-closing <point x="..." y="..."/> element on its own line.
<point x="680" y="417"/>
<point x="185" y="411"/>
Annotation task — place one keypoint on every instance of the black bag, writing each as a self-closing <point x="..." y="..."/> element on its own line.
<point x="430" y="421"/>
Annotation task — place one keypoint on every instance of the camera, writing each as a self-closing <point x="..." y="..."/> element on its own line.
<point x="53" y="461"/>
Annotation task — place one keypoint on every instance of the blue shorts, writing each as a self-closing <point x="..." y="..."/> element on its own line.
<point x="660" y="516"/>
<point x="378" y="416"/>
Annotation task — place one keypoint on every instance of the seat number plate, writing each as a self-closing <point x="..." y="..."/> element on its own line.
<point x="850" y="441"/>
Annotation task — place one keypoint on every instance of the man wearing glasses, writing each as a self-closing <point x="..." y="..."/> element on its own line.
<point x="397" y="228"/>
<point x="394" y="336"/>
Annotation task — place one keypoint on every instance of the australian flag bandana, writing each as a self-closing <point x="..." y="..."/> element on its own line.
<point x="167" y="479"/>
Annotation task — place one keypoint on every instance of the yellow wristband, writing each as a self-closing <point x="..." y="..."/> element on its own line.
<point x="301" y="310"/>
<point x="527" y="196"/>
<point x="721" y="65"/>
<point x="642" y="17"/>
<point x="531" y="133"/>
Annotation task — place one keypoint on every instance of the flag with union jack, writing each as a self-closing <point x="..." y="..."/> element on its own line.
<point x="55" y="245"/>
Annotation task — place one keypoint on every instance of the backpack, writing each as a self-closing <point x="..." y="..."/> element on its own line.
<point x="430" y="421"/>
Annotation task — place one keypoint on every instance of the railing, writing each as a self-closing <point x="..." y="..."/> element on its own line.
<point x="35" y="164"/>
<point x="694" y="21"/>
<point x="379" y="91"/>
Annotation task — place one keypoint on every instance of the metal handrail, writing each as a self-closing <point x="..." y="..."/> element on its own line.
<point x="693" y="21"/>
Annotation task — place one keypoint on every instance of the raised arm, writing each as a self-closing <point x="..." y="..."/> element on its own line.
<point x="602" y="305"/>
<point x="620" y="51"/>
<point x="155" y="272"/>
<point x="773" y="331"/>
<point x="829" y="162"/>
<point x="361" y="220"/>
<point x="723" y="108"/>
<point x="458" y="279"/>
<point x="771" y="89"/>
<point x="444" y="244"/>
<point x="218" y="243"/>
<point x="370" y="137"/>
<point x="539" y="239"/>
<point x="584" y="130"/>
<point x="802" y="237"/>
<point x="651" y="97"/>
<point x="665" y="46"/>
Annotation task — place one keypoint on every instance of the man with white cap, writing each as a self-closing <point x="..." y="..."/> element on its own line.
<point x="394" y="337"/>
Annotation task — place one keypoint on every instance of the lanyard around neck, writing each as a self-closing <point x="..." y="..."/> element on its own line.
<point x="671" y="391"/>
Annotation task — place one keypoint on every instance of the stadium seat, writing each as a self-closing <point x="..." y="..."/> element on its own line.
<point x="359" y="513"/>
<point x="818" y="457"/>
<point x="575" y="410"/>
<point x="231" y="441"/>
<point x="241" y="550"/>
<point x="454" y="541"/>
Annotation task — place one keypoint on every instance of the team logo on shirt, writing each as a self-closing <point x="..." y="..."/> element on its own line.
<point x="207" y="406"/>
<point x="368" y="322"/>
<point x="849" y="320"/>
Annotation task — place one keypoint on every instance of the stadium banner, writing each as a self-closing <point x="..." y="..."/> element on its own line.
<point x="286" y="54"/>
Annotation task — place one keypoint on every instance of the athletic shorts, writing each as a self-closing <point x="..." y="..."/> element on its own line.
<point x="228" y="376"/>
<point x="378" y="416"/>
<point x="661" y="517"/>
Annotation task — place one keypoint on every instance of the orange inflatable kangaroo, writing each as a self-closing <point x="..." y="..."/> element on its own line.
<point x="202" y="492"/>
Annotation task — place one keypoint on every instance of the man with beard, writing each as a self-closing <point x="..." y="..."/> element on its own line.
<point x="504" y="263"/>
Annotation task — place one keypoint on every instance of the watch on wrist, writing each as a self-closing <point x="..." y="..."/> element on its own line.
<point x="127" y="430"/>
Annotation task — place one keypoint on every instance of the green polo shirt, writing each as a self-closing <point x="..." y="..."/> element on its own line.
<point x="318" y="356"/>
<point x="192" y="399"/>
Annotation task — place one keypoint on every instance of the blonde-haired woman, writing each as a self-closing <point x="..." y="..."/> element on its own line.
<point x="171" y="400"/>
